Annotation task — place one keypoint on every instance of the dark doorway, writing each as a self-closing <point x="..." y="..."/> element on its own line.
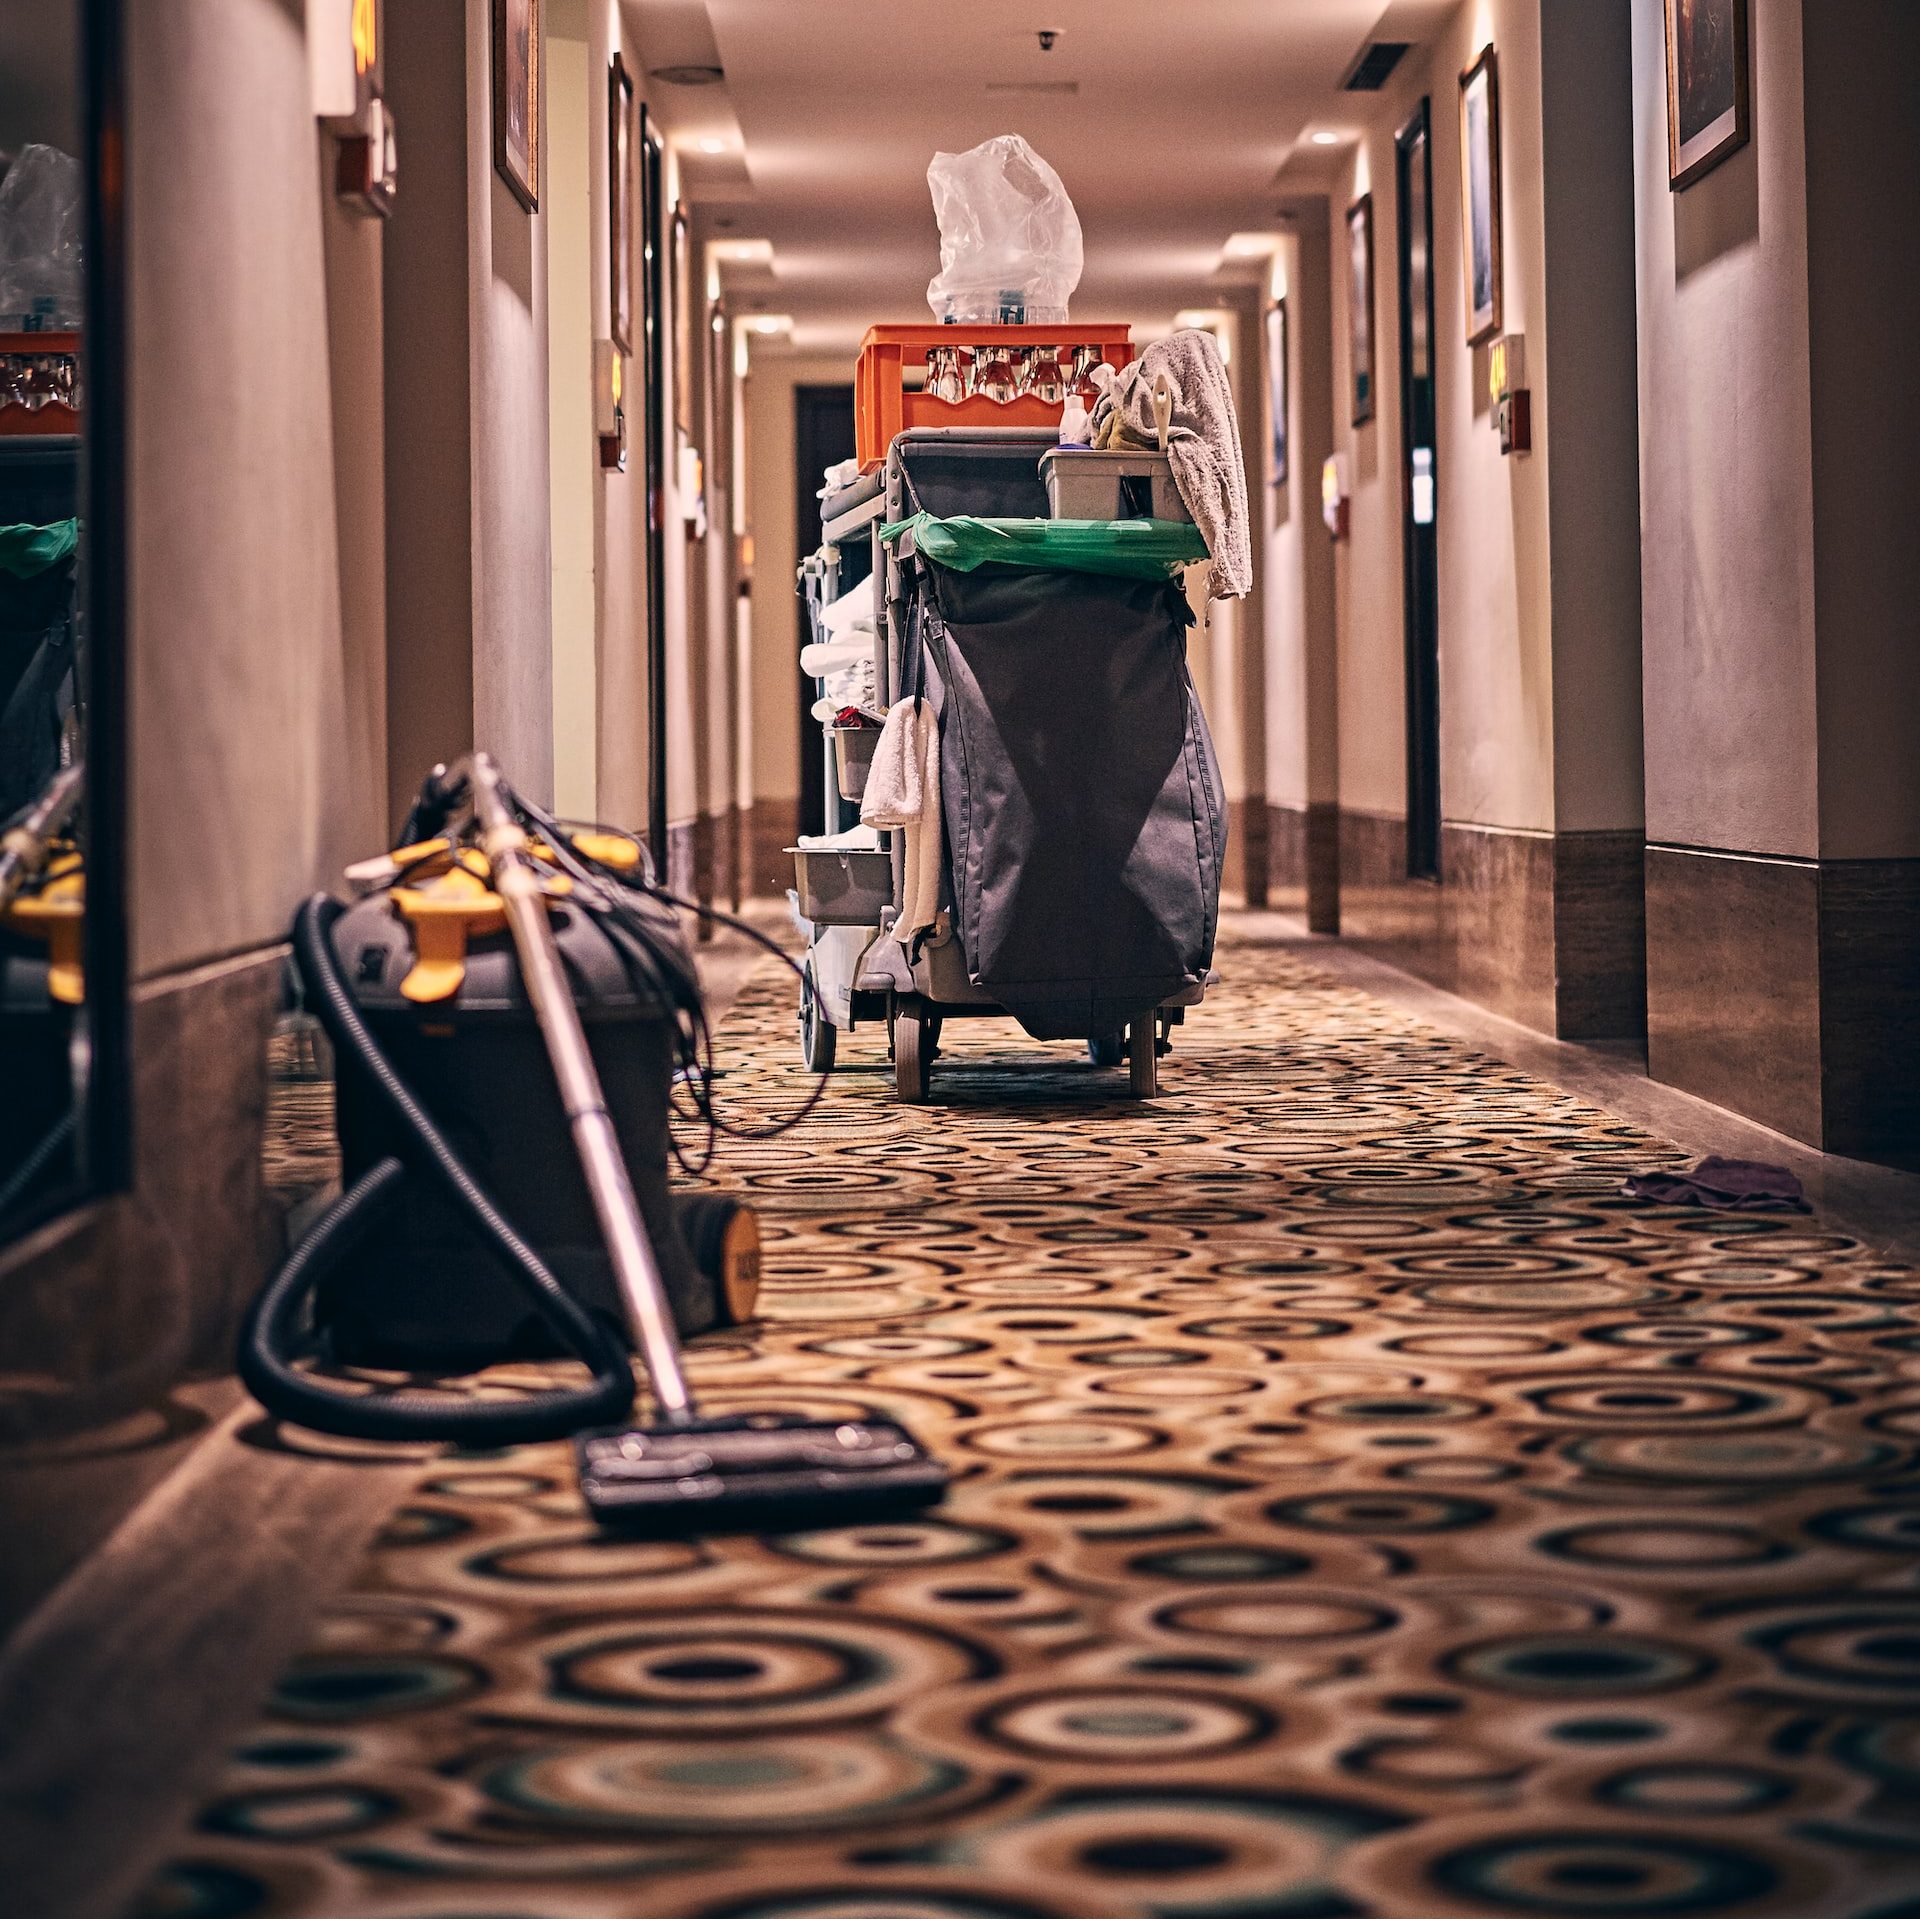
<point x="1413" y="169"/>
<point x="822" y="437"/>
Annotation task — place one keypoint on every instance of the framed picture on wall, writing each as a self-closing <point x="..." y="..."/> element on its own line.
<point x="620" y="203"/>
<point x="1707" y="99"/>
<point x="1360" y="304"/>
<point x="680" y="308"/>
<point x="1480" y="194"/>
<point x="516" y="98"/>
<point x="1277" y="393"/>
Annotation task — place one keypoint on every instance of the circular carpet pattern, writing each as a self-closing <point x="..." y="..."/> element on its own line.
<point x="1358" y="1509"/>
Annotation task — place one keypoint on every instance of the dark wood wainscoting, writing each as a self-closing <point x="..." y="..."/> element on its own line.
<point x="1789" y="990"/>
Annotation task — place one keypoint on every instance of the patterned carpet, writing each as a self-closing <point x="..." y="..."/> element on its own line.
<point x="1359" y="1511"/>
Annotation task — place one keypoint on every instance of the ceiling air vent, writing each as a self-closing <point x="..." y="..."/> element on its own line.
<point x="1370" y="71"/>
<point x="1033" y="86"/>
<point x="689" y="76"/>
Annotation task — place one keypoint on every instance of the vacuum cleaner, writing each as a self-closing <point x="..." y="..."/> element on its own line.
<point x="42" y="991"/>
<point x="503" y="988"/>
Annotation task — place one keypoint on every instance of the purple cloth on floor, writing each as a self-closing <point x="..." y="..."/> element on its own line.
<point x="1735" y="1185"/>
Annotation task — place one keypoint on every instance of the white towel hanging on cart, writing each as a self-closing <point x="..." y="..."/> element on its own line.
<point x="903" y="792"/>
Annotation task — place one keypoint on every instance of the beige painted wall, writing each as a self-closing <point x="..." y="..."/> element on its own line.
<point x="469" y="583"/>
<point x="1590" y="404"/>
<point x="1538" y="553"/>
<point x="429" y="441"/>
<point x="1496" y="735"/>
<point x="1778" y="306"/>
<point x="778" y="615"/>
<point x="1300" y="655"/>
<point x="1863" y="238"/>
<point x="572" y="451"/>
<point x="355" y="819"/>
<point x="620" y="519"/>
<point x="1726" y="448"/>
<point x="507" y="290"/>
<point x="240" y="672"/>
<point x="622" y="756"/>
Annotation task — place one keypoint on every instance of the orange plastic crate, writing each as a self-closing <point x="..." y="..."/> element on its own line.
<point x="883" y="407"/>
<point x="54" y="417"/>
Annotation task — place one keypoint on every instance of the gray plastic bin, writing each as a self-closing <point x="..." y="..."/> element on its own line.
<point x="852" y="756"/>
<point x="1120" y="485"/>
<point x="842" y="886"/>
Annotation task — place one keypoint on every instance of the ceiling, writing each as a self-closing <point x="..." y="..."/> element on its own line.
<point x="1185" y="124"/>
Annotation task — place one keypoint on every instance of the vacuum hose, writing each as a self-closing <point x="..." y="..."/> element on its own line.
<point x="274" y="1332"/>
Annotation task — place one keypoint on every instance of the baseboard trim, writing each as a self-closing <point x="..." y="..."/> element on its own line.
<point x="1544" y="928"/>
<point x="1785" y="989"/>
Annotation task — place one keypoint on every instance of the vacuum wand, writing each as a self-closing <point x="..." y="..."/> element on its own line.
<point x="636" y="1270"/>
<point x="684" y="1474"/>
<point x="23" y="846"/>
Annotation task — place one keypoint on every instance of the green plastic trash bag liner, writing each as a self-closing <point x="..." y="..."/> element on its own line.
<point x="27" y="551"/>
<point x="1085" y="818"/>
<point x="36" y="646"/>
<point x="1124" y="549"/>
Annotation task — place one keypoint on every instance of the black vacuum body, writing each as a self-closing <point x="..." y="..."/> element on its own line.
<point x="36" y="1041"/>
<point x="425" y="1290"/>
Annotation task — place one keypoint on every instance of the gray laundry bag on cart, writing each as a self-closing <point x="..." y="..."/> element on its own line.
<point x="1085" y="818"/>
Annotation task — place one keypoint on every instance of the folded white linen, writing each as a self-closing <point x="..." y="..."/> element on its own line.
<point x="856" y="839"/>
<point x="853" y="608"/>
<point x="824" y="656"/>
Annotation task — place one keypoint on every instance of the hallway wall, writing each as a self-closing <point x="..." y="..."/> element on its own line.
<point x="1301" y="654"/>
<point x="468" y="533"/>
<point x="1777" y="309"/>
<point x="1538" y="910"/>
<point x="573" y="450"/>
<point x="255" y="674"/>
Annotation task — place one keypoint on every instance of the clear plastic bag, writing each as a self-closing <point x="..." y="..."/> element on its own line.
<point x="40" y="224"/>
<point x="1009" y="237"/>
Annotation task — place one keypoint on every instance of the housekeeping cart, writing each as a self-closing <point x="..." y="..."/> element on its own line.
<point x="1081" y="804"/>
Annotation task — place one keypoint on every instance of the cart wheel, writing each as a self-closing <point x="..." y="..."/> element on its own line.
<point x="1107" y="1049"/>
<point x="723" y="1235"/>
<point x="911" y="1050"/>
<point x="1143" y="1057"/>
<point x="818" y="1034"/>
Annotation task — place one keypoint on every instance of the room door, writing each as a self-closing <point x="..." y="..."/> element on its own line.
<point x="1413" y="167"/>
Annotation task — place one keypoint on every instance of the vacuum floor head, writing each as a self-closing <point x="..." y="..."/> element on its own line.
<point x="748" y="1475"/>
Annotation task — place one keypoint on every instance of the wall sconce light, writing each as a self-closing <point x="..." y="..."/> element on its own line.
<point x="366" y="171"/>
<point x="1334" y="495"/>
<point x="343" y="65"/>
<point x="1507" y="391"/>
<point x="690" y="483"/>
<point x="609" y="404"/>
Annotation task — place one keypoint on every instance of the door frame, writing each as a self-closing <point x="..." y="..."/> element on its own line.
<point x="653" y="433"/>
<point x="1420" y="556"/>
<point x="811" y="399"/>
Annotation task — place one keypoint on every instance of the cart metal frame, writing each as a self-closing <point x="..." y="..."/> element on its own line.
<point x="862" y="972"/>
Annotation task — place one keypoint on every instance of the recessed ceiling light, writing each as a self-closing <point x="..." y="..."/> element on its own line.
<point x="1326" y="139"/>
<point x="711" y="145"/>
<point x="1250" y="246"/>
<point x="772" y="323"/>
